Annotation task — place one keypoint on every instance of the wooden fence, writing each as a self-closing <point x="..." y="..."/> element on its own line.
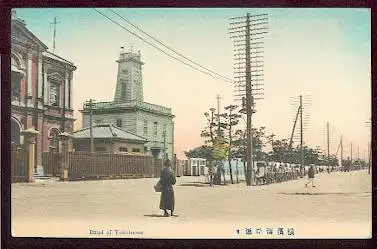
<point x="19" y="161"/>
<point x="51" y="163"/>
<point x="98" y="165"/>
<point x="86" y="165"/>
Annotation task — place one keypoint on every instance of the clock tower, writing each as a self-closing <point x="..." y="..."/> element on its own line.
<point x="129" y="80"/>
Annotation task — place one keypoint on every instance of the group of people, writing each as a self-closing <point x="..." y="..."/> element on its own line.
<point x="168" y="179"/>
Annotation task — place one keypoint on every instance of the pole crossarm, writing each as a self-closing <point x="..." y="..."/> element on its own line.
<point x="248" y="69"/>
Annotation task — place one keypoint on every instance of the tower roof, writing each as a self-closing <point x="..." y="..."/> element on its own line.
<point x="129" y="57"/>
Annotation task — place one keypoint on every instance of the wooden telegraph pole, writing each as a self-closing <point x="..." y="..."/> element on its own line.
<point x="248" y="69"/>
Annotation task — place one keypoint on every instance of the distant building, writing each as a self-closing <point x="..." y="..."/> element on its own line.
<point x="129" y="111"/>
<point x="41" y="90"/>
<point x="195" y="167"/>
<point x="109" y="138"/>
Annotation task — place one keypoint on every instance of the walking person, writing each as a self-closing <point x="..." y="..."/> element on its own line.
<point x="311" y="173"/>
<point x="167" y="179"/>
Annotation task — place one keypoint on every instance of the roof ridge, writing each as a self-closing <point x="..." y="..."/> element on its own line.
<point x="59" y="57"/>
<point x="82" y="129"/>
<point x="132" y="133"/>
<point x="111" y="126"/>
<point x="30" y="34"/>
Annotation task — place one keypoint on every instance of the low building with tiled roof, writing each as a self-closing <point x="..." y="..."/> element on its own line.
<point x="109" y="138"/>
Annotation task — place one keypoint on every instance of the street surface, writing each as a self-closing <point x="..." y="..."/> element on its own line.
<point x="340" y="206"/>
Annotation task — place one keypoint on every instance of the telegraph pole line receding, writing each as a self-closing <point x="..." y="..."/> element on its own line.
<point x="248" y="71"/>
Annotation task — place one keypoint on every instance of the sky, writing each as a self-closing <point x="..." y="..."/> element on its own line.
<point x="322" y="54"/>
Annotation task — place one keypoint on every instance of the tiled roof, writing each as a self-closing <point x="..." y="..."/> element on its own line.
<point x="108" y="131"/>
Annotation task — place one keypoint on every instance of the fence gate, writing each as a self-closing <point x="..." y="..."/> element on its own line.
<point x="51" y="163"/>
<point x="19" y="163"/>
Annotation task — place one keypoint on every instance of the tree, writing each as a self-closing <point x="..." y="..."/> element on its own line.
<point x="239" y="149"/>
<point x="233" y="121"/>
<point x="203" y="151"/>
<point x="215" y="140"/>
<point x="258" y="144"/>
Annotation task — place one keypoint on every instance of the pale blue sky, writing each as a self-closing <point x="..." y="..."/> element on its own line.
<point x="324" y="53"/>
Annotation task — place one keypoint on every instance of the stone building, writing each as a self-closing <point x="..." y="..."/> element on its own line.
<point x="129" y="111"/>
<point x="41" y="90"/>
<point x="109" y="138"/>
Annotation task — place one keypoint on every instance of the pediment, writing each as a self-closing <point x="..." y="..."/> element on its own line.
<point x="55" y="76"/>
<point x="22" y="35"/>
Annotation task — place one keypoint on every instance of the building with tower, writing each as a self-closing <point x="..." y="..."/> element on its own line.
<point x="41" y="90"/>
<point x="128" y="110"/>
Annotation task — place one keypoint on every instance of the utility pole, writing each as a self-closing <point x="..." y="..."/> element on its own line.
<point x="230" y="144"/>
<point x="54" y="23"/>
<point x="247" y="83"/>
<point x="218" y="114"/>
<point x="341" y="150"/>
<point x="328" y="145"/>
<point x="358" y="154"/>
<point x="351" y="154"/>
<point x="369" y="157"/>
<point x="90" y="104"/>
<point x="164" y="133"/>
<point x="293" y="131"/>
<point x="249" y="126"/>
<point x="301" y="137"/>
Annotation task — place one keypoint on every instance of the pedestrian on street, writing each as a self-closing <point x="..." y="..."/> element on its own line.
<point x="311" y="173"/>
<point x="167" y="179"/>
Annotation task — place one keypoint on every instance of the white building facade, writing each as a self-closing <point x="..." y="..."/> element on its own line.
<point x="129" y="111"/>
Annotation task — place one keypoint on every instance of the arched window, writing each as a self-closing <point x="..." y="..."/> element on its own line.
<point x="16" y="77"/>
<point x="15" y="132"/>
<point x="54" y="140"/>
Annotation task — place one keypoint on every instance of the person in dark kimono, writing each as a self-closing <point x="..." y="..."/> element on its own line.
<point x="167" y="179"/>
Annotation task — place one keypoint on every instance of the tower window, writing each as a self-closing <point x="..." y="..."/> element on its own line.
<point x="119" y="123"/>
<point x="125" y="71"/>
<point x="155" y="128"/>
<point x="145" y="127"/>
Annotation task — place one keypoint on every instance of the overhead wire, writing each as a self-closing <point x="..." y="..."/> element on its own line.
<point x="166" y="53"/>
<point x="174" y="51"/>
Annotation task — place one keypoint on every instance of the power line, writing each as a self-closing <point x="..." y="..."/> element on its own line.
<point x="174" y="51"/>
<point x="141" y="38"/>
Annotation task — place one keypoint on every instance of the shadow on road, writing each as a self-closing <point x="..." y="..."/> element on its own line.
<point x="158" y="215"/>
<point x="155" y="215"/>
<point x="194" y="184"/>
